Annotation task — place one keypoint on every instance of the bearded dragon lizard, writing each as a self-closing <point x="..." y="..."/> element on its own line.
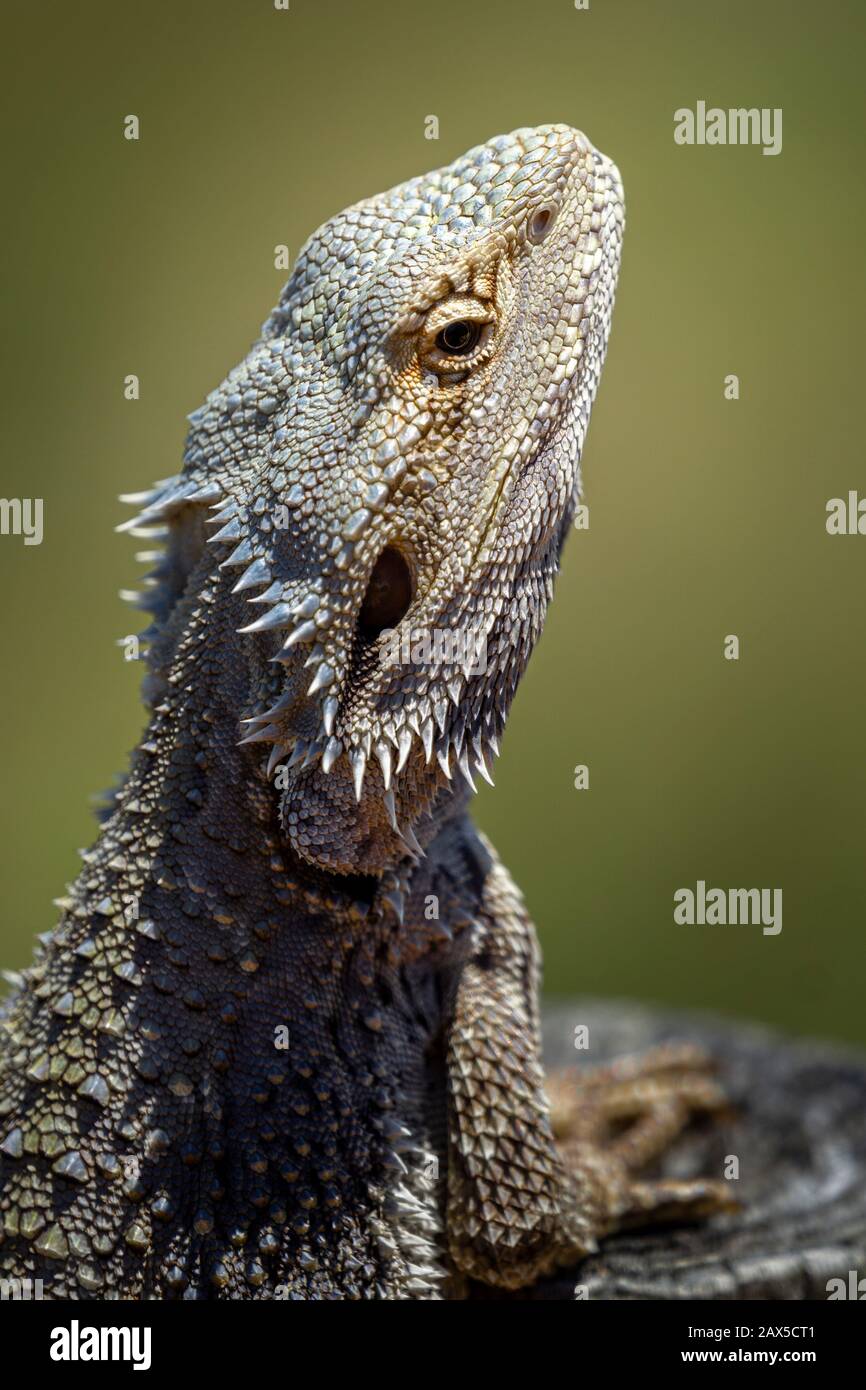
<point x="284" y="1041"/>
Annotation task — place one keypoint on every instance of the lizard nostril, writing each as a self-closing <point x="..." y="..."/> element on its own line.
<point x="388" y="595"/>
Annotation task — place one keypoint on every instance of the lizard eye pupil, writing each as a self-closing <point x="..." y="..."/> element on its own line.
<point x="458" y="338"/>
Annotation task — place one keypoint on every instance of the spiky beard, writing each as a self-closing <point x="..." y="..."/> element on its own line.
<point x="387" y="797"/>
<point x="383" y="800"/>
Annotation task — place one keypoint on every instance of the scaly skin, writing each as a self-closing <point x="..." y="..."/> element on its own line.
<point x="289" y="850"/>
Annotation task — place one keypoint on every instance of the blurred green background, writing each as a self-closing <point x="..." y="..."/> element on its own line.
<point x="707" y="516"/>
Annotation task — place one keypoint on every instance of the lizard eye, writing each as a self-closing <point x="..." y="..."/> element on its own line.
<point x="459" y="338"/>
<point x="456" y="337"/>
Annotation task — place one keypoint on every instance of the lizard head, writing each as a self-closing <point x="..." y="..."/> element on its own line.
<point x="392" y="471"/>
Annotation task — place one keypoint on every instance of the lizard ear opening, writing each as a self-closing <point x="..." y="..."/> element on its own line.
<point x="541" y="222"/>
<point x="389" y="594"/>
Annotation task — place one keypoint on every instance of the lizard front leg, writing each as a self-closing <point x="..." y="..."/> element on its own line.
<point x="530" y="1188"/>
